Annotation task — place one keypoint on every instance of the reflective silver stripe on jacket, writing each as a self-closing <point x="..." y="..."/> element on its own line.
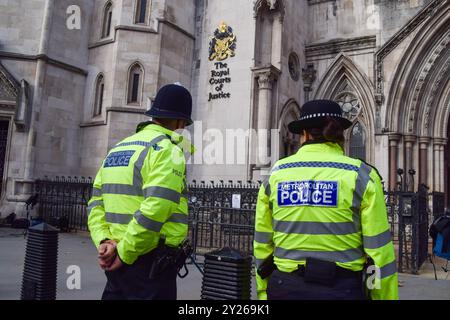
<point x="178" y="218"/>
<point x="147" y="223"/>
<point x="118" y="218"/>
<point x="137" y="176"/>
<point x="315" y="228"/>
<point x="263" y="237"/>
<point x="266" y="185"/>
<point x="122" y="189"/>
<point x="96" y="203"/>
<point x="333" y="256"/>
<point x="389" y="270"/>
<point x="360" y="188"/>
<point x="378" y="241"/>
<point x="163" y="193"/>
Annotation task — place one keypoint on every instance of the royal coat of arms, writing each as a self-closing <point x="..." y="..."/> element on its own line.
<point x="223" y="44"/>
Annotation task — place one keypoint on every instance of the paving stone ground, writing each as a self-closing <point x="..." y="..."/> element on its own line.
<point x="77" y="249"/>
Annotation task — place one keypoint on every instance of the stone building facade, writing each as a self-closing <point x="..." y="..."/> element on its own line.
<point x="68" y="94"/>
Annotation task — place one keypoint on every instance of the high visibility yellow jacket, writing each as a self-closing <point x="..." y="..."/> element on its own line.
<point x="321" y="204"/>
<point x="139" y="194"/>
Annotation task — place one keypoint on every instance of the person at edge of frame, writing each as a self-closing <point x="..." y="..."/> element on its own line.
<point x="321" y="217"/>
<point x="138" y="214"/>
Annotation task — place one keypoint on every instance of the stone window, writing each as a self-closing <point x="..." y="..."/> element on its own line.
<point x="358" y="142"/>
<point x="135" y="80"/>
<point x="107" y="20"/>
<point x="141" y="11"/>
<point x="349" y="103"/>
<point x="99" y="91"/>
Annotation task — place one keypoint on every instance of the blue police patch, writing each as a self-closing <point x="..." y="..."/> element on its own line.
<point x="119" y="159"/>
<point x="308" y="193"/>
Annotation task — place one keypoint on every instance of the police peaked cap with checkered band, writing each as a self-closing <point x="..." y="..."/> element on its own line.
<point x="315" y="113"/>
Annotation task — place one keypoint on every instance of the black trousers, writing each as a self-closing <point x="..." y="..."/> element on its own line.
<point x="133" y="283"/>
<point x="291" y="286"/>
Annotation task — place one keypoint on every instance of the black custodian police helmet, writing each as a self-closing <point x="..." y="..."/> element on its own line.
<point x="172" y="101"/>
<point x="314" y="114"/>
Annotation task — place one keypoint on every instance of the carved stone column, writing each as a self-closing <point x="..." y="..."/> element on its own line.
<point x="410" y="141"/>
<point x="424" y="143"/>
<point x="439" y="170"/>
<point x="277" y="34"/>
<point x="266" y="78"/>
<point x="265" y="84"/>
<point x="393" y="160"/>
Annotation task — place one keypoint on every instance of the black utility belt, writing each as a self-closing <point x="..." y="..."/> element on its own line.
<point x="325" y="272"/>
<point x="340" y="273"/>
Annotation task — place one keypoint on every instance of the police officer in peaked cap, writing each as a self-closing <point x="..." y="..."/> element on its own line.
<point x="138" y="212"/>
<point x="321" y="217"/>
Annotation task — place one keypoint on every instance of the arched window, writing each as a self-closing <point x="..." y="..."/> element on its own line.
<point x="358" y="142"/>
<point x="99" y="90"/>
<point x="141" y="11"/>
<point x="107" y="20"/>
<point x="135" y="80"/>
<point x="289" y="142"/>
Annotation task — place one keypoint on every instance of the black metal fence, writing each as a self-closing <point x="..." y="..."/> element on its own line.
<point x="410" y="215"/>
<point x="62" y="201"/>
<point x="217" y="227"/>
<point x="223" y="215"/>
<point x="225" y="195"/>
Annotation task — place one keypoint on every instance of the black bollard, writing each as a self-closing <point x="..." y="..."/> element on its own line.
<point x="41" y="260"/>
<point x="227" y="276"/>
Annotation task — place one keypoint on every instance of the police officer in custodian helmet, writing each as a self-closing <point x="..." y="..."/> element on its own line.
<point x="138" y="214"/>
<point x="321" y="217"/>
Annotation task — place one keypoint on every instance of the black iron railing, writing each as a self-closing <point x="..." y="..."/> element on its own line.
<point x="410" y="215"/>
<point x="62" y="201"/>
<point x="223" y="215"/>
<point x="216" y="227"/>
<point x="242" y="195"/>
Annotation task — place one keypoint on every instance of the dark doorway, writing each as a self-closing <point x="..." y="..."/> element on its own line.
<point x="4" y="126"/>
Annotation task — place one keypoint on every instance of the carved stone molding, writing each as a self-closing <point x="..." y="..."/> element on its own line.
<point x="424" y="142"/>
<point x="394" y="137"/>
<point x="410" y="138"/>
<point x="266" y="76"/>
<point x="389" y="46"/>
<point x="272" y="4"/>
<point x="265" y="80"/>
<point x="433" y="94"/>
<point x="309" y="76"/>
<point x="440" y="141"/>
<point x="334" y="47"/>
<point x="423" y="80"/>
<point x="9" y="87"/>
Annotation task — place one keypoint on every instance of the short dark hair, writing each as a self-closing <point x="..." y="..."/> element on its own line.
<point x="332" y="132"/>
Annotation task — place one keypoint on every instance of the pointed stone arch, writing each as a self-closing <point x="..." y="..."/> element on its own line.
<point x="341" y="81"/>
<point x="289" y="142"/>
<point x="417" y="106"/>
<point x="420" y="79"/>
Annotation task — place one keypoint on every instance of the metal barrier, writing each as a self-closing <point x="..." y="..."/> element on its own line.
<point x="213" y="228"/>
<point x="62" y="201"/>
